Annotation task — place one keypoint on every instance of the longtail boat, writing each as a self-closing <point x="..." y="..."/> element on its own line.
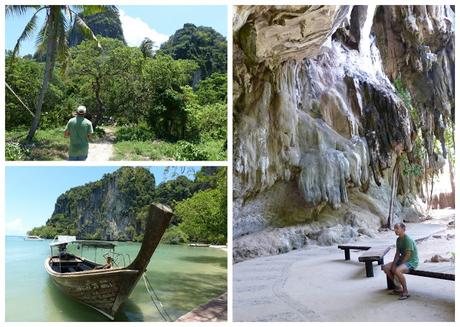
<point x="104" y="287"/>
<point x="33" y="238"/>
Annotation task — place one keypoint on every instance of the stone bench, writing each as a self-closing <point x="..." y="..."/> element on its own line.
<point x="374" y="254"/>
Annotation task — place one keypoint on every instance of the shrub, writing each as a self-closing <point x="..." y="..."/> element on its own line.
<point x="189" y="151"/>
<point x="14" y="151"/>
<point x="134" y="133"/>
<point x="99" y="132"/>
<point x="215" y="150"/>
<point x="174" y="235"/>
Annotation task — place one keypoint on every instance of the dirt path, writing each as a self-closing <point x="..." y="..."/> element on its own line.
<point x="102" y="150"/>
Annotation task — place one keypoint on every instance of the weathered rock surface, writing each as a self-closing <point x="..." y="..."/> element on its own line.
<point x="108" y="209"/>
<point x="417" y="44"/>
<point x="318" y="122"/>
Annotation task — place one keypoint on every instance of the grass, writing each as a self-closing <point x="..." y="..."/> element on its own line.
<point x="161" y="150"/>
<point x="48" y="144"/>
<point x="214" y="150"/>
<point x="139" y="150"/>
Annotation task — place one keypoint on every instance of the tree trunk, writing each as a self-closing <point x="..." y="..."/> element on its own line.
<point x="430" y="200"/>
<point x="394" y="187"/>
<point x="100" y="106"/>
<point x="451" y="174"/>
<point x="427" y="188"/>
<point x="49" y="67"/>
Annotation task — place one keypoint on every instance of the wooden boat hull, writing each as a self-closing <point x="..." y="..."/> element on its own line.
<point x="106" y="289"/>
<point x="103" y="290"/>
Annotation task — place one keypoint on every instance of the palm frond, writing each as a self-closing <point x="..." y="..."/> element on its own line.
<point x="146" y="47"/>
<point x="87" y="32"/>
<point x="41" y="40"/>
<point x="61" y="35"/>
<point x="26" y="33"/>
<point x="70" y="14"/>
<point x="92" y="10"/>
<point x="19" y="10"/>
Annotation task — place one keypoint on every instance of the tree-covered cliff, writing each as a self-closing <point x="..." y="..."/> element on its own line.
<point x="106" y="24"/>
<point x="115" y="207"/>
<point x="201" y="44"/>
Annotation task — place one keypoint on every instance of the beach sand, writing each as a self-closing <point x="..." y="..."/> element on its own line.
<point x="316" y="284"/>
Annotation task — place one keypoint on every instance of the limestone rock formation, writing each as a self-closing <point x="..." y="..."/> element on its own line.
<point x="318" y="121"/>
<point x="109" y="209"/>
<point x="106" y="24"/>
<point x="417" y="44"/>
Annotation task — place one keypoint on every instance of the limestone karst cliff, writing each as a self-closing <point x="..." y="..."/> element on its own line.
<point x="112" y="208"/>
<point x="319" y="118"/>
<point x="106" y="24"/>
<point x="115" y="207"/>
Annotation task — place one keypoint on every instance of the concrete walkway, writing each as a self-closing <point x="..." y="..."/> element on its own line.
<point x="317" y="284"/>
<point x="214" y="310"/>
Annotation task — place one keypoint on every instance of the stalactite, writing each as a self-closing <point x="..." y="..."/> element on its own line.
<point x="317" y="118"/>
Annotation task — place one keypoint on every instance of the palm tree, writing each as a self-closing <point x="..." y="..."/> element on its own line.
<point x="146" y="48"/>
<point x="52" y="39"/>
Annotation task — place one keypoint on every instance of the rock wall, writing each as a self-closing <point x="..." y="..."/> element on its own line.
<point x="109" y="209"/>
<point x="318" y="122"/>
<point x="417" y="43"/>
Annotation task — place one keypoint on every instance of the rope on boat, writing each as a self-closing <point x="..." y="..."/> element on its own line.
<point x="154" y="297"/>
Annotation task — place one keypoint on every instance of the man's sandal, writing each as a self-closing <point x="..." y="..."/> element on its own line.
<point x="395" y="292"/>
<point x="404" y="296"/>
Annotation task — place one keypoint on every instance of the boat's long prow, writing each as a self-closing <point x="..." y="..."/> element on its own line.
<point x="158" y="220"/>
<point x="106" y="289"/>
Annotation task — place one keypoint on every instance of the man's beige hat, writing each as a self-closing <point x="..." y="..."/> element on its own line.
<point x="81" y="110"/>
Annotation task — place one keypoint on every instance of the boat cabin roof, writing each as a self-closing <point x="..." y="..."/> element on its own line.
<point x="96" y="244"/>
<point x="62" y="241"/>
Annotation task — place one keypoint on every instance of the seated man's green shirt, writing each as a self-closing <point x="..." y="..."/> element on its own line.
<point x="408" y="244"/>
<point x="79" y="128"/>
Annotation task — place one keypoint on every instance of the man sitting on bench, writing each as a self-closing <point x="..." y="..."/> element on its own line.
<point x="406" y="259"/>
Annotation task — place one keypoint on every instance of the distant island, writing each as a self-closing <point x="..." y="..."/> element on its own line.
<point x="114" y="207"/>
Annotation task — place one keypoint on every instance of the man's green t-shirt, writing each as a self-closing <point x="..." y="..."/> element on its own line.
<point x="408" y="244"/>
<point x="79" y="128"/>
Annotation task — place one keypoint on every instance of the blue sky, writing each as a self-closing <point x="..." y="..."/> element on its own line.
<point x="155" y="22"/>
<point x="31" y="192"/>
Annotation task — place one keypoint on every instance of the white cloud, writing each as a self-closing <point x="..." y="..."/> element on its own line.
<point x="15" y="227"/>
<point x="135" y="30"/>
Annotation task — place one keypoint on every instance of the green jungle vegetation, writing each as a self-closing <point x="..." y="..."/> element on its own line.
<point x="152" y="105"/>
<point x="199" y="205"/>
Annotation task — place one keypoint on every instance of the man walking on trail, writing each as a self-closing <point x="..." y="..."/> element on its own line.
<point x="79" y="129"/>
<point x="406" y="259"/>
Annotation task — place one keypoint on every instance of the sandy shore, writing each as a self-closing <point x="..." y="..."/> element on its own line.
<point x="316" y="284"/>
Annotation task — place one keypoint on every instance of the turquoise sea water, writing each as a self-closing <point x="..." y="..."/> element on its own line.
<point x="183" y="278"/>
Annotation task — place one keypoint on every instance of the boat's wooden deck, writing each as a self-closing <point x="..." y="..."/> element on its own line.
<point x="70" y="264"/>
<point x="57" y="260"/>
